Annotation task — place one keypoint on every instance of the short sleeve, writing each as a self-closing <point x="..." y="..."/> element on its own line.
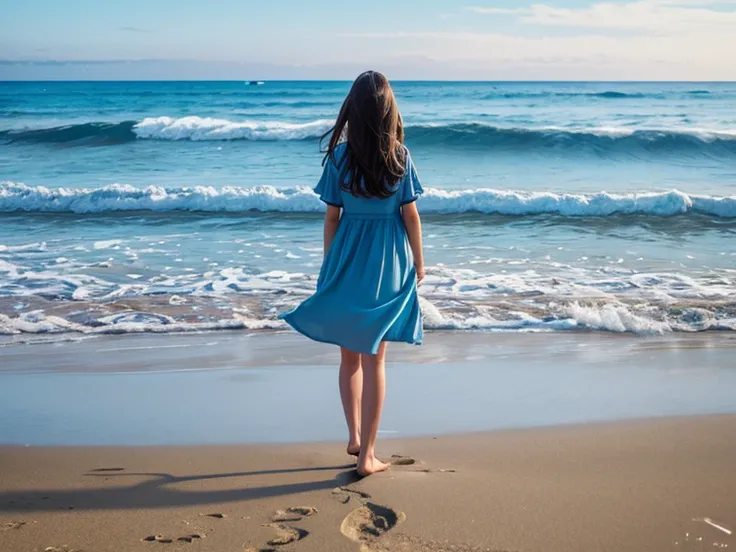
<point x="411" y="189"/>
<point x="328" y="188"/>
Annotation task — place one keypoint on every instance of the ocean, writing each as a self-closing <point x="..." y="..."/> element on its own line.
<point x="130" y="207"/>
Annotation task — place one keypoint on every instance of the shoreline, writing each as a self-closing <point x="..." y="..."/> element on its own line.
<point x="338" y="443"/>
<point x="212" y="390"/>
<point x="295" y="349"/>
<point x="70" y="337"/>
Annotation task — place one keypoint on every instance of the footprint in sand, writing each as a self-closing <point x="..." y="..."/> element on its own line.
<point x="216" y="515"/>
<point x="167" y="540"/>
<point x="64" y="548"/>
<point x="285" y="534"/>
<point x="397" y="460"/>
<point x="191" y="537"/>
<point x="281" y="516"/>
<point x="295" y="513"/>
<point x="344" y="494"/>
<point x="99" y="470"/>
<point x="158" y="538"/>
<point x="369" y="522"/>
<point x="12" y="525"/>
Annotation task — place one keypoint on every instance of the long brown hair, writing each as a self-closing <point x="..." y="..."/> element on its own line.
<point x="370" y="122"/>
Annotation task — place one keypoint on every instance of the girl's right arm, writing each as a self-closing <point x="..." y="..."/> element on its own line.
<point x="414" y="230"/>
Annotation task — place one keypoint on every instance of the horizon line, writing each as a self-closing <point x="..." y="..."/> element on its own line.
<point x="438" y="80"/>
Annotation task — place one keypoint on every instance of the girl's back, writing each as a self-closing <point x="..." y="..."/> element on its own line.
<point x="333" y="189"/>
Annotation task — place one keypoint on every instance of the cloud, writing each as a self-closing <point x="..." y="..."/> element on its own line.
<point x="604" y="40"/>
<point x="594" y="55"/>
<point x="130" y="29"/>
<point x="650" y="16"/>
<point x="695" y="2"/>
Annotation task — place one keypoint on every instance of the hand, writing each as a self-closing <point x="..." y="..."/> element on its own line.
<point x="420" y="274"/>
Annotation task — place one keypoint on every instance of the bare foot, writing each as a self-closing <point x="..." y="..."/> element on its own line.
<point x="370" y="465"/>
<point x="353" y="449"/>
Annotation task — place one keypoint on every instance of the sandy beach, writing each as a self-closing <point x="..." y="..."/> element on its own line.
<point x="651" y="485"/>
<point x="233" y="442"/>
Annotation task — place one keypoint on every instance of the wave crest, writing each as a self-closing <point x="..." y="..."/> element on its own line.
<point x="598" y="140"/>
<point x="18" y="197"/>
<point x="469" y="134"/>
<point x="199" y="128"/>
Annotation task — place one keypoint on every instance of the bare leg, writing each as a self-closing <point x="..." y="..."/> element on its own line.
<point x="374" y="391"/>
<point x="351" y="389"/>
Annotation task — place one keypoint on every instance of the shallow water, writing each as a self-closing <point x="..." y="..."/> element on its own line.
<point x="130" y="207"/>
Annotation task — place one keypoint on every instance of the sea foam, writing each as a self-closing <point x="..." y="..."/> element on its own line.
<point x="18" y="197"/>
<point x="206" y="128"/>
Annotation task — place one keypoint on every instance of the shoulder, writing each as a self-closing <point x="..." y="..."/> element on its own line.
<point x="338" y="154"/>
<point x="407" y="157"/>
<point x="341" y="148"/>
<point x="408" y="162"/>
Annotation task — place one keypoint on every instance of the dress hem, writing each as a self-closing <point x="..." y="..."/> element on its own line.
<point x="330" y="342"/>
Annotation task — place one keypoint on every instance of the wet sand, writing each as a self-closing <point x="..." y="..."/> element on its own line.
<point x="646" y="485"/>
<point x="232" y="388"/>
<point x="240" y="349"/>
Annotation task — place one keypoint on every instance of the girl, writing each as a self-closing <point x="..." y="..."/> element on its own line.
<point x="367" y="287"/>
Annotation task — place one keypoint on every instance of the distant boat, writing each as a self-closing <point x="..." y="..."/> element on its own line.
<point x="254" y="83"/>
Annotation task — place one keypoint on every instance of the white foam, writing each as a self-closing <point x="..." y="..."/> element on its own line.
<point x="611" y="316"/>
<point x="207" y="128"/>
<point x="198" y="128"/>
<point x="19" y="197"/>
<point x="599" y="204"/>
<point x="106" y="244"/>
<point x="615" y="318"/>
<point x="33" y="247"/>
<point x="117" y="197"/>
<point x="701" y="133"/>
<point x="10" y="269"/>
<point x="39" y="323"/>
<point x="434" y="319"/>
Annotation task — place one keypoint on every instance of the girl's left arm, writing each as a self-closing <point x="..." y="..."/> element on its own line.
<point x="332" y="220"/>
<point x="414" y="231"/>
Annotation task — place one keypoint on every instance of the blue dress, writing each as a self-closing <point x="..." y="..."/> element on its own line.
<point x="367" y="287"/>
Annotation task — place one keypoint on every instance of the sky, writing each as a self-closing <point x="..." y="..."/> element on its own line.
<point x="336" y="39"/>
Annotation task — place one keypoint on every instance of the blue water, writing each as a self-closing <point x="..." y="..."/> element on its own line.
<point x="172" y="206"/>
